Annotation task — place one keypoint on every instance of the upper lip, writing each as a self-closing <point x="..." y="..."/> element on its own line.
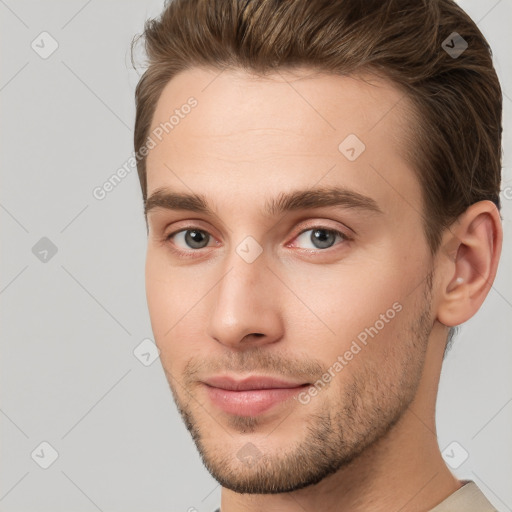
<point x="252" y="382"/>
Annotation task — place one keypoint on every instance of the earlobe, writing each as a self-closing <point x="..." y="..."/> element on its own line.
<point x="474" y="243"/>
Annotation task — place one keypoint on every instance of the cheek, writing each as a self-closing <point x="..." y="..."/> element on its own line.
<point x="165" y="298"/>
<point x="349" y="301"/>
<point x="378" y="363"/>
<point x="370" y="312"/>
<point x="175" y="308"/>
<point x="325" y="308"/>
<point x="158" y="299"/>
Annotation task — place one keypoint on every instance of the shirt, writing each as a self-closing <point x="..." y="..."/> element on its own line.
<point x="469" y="498"/>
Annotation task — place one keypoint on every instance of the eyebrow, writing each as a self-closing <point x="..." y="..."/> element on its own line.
<point x="284" y="202"/>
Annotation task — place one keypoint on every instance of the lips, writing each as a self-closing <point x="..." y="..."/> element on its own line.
<point x="250" y="383"/>
<point x="250" y="396"/>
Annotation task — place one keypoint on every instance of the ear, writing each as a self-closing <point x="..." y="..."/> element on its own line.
<point x="473" y="246"/>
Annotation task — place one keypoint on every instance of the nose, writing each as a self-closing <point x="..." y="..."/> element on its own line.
<point x="246" y="305"/>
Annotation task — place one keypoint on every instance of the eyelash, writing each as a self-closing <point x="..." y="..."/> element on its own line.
<point x="190" y="253"/>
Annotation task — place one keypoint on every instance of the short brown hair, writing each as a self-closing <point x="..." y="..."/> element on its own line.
<point x="457" y="101"/>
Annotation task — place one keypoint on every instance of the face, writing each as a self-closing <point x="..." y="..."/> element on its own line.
<point x="304" y="262"/>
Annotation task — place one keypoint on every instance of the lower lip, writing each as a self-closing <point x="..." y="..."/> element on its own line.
<point x="250" y="402"/>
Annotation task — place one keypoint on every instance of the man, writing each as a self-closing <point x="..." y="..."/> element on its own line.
<point x="320" y="183"/>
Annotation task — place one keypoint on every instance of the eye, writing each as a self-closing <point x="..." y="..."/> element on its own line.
<point x="190" y="238"/>
<point x="320" y="237"/>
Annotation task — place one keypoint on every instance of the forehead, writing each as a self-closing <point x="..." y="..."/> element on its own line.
<point x="231" y="102"/>
<point x="268" y="132"/>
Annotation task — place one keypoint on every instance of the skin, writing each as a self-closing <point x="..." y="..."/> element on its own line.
<point x="367" y="440"/>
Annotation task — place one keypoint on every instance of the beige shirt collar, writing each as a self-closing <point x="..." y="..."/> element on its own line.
<point x="469" y="498"/>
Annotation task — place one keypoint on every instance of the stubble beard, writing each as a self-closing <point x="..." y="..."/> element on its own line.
<point x="365" y="410"/>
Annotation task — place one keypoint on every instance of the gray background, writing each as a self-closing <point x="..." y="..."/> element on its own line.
<point x="70" y="324"/>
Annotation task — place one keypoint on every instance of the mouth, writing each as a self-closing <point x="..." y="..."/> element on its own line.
<point x="251" y="396"/>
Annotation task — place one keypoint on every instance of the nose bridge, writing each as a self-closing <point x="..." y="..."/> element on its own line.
<point x="244" y="300"/>
<point x="247" y="266"/>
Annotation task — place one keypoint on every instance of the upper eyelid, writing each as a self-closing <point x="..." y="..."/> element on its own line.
<point x="325" y="228"/>
<point x="305" y="228"/>
<point x="300" y="222"/>
<point x="344" y="235"/>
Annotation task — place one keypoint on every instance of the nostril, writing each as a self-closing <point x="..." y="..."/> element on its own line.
<point x="255" y="334"/>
